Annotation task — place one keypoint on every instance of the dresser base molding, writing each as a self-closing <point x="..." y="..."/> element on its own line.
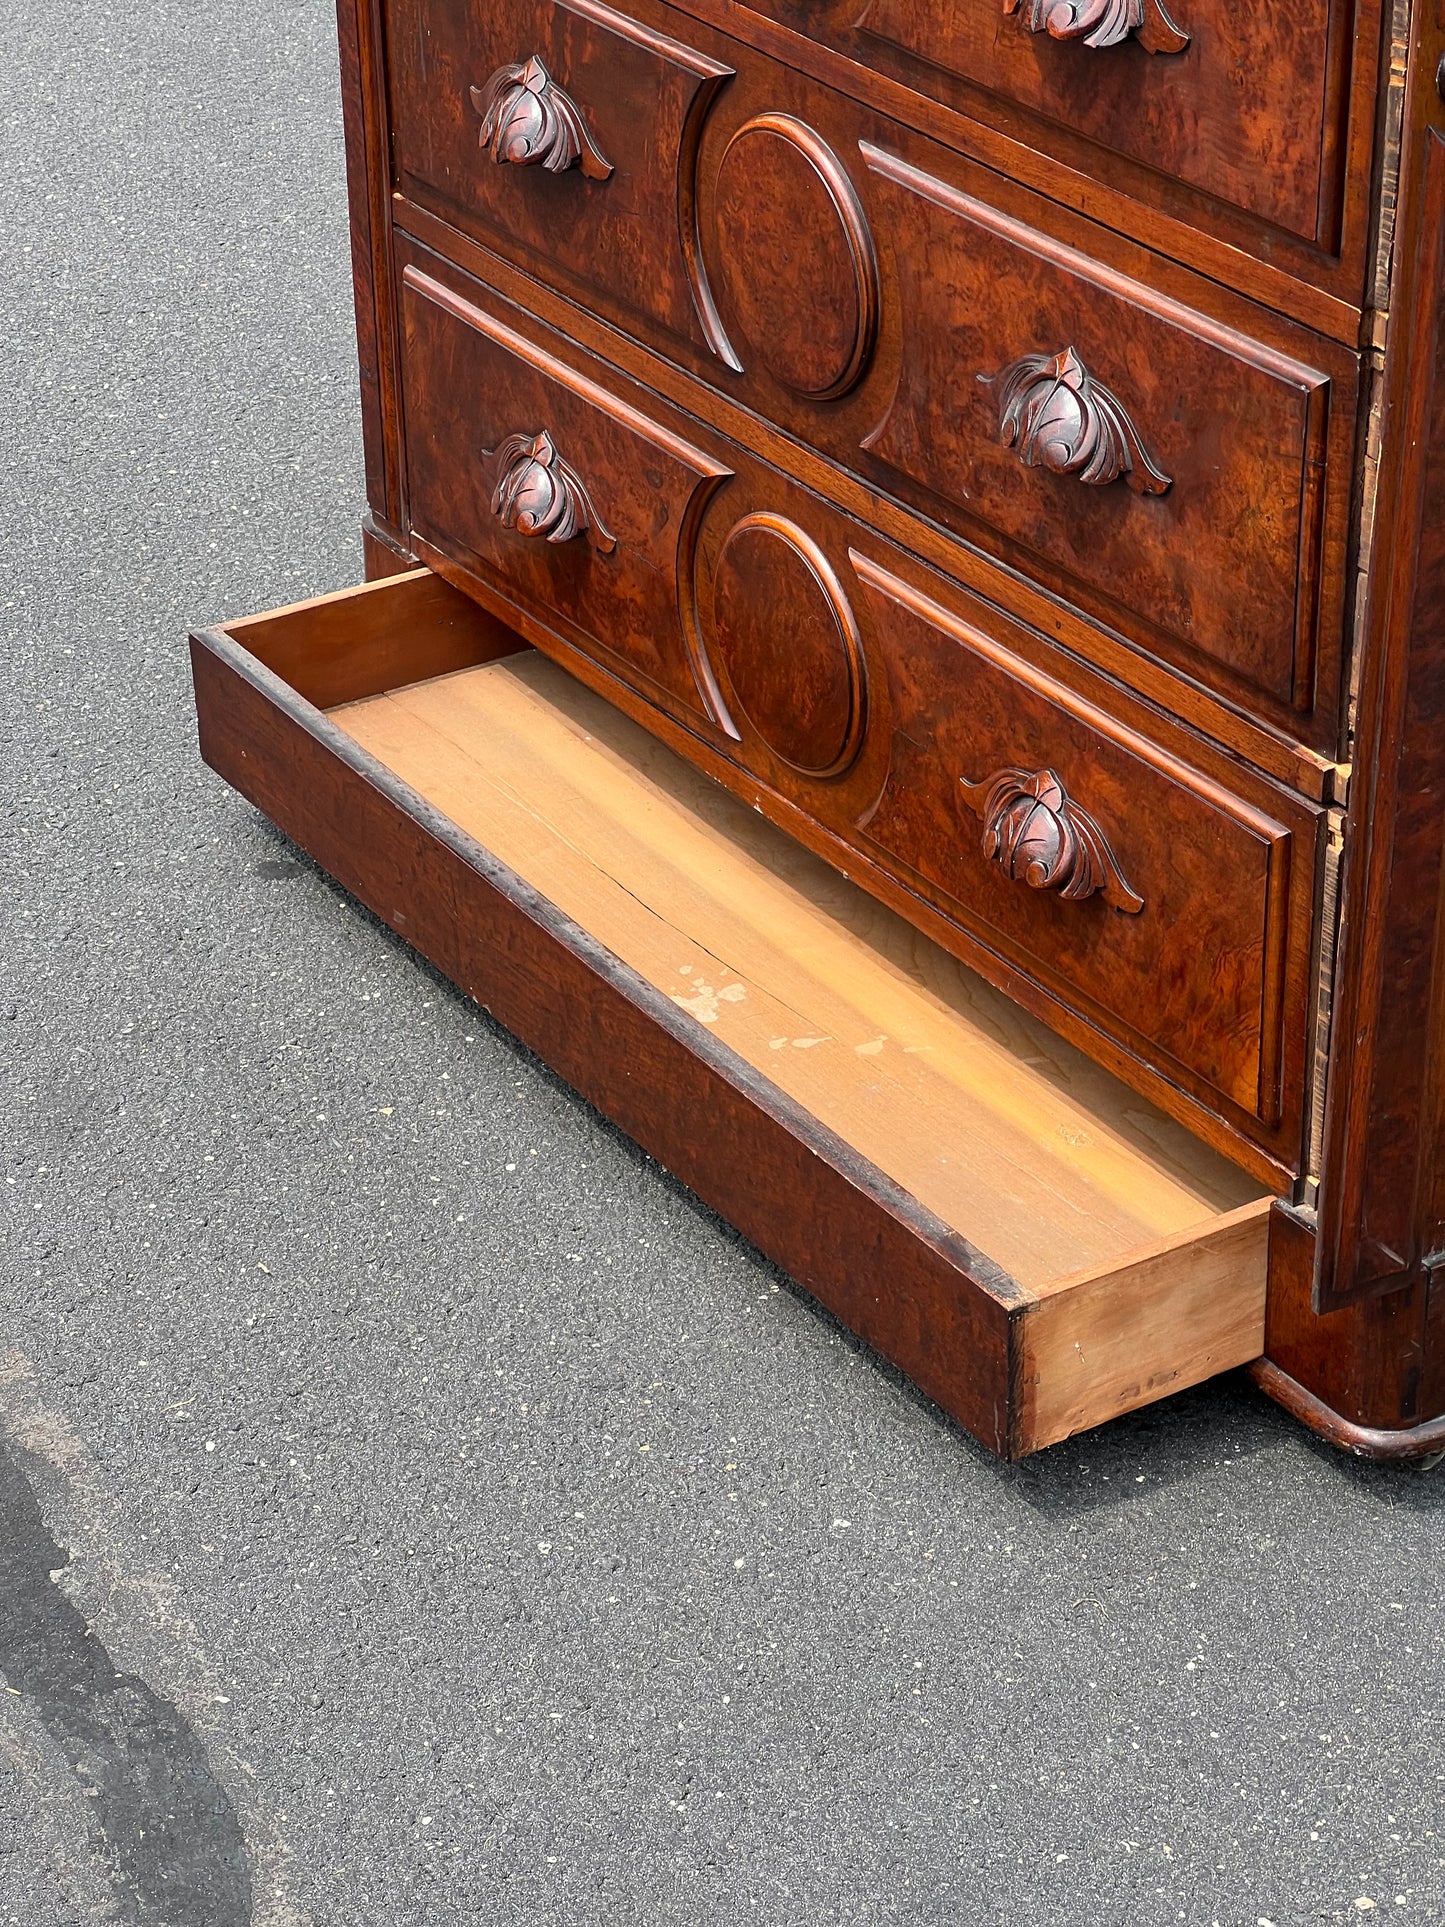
<point x="1027" y="1241"/>
<point x="1411" y="1444"/>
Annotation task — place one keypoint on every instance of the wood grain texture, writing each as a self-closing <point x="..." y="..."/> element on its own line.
<point x="1246" y="112"/>
<point x="1263" y="747"/>
<point x="764" y="273"/>
<point x="1272" y="1154"/>
<point x="884" y="1040"/>
<point x="383" y="551"/>
<point x="1221" y="935"/>
<point x="791" y="676"/>
<point x="894" y="1046"/>
<point x="1320" y="285"/>
<point x="477" y="397"/>
<point x="620" y="239"/>
<point x="367" y="188"/>
<point x="1391" y="1445"/>
<point x="1229" y="447"/>
<point x="890" y="1271"/>
<point x="1257" y="137"/>
<point x="1366" y="1363"/>
<point x="829" y="254"/>
<point x="1098" y="1345"/>
<point x="648" y="1043"/>
<point x="1383" y="1202"/>
<point x="784" y="635"/>
<point x="335" y="648"/>
<point x="793" y="246"/>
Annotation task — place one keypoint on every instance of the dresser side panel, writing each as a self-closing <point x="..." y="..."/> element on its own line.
<point x="1382" y="1200"/>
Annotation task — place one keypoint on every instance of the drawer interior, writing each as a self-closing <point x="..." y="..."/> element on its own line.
<point x="1125" y="1258"/>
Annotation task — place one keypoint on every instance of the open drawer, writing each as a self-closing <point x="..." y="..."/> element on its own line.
<point x="1031" y="1242"/>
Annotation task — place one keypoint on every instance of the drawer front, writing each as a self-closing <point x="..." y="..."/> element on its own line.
<point x="1126" y="448"/>
<point x="1152" y="898"/>
<point x="1247" y="105"/>
<point x="1093" y="855"/>
<point x="568" y="498"/>
<point x="563" y="134"/>
<point x="1055" y="399"/>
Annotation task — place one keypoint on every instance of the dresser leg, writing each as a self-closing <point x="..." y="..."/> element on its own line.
<point x="1369" y="1376"/>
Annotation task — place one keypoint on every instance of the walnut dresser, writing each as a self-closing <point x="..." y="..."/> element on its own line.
<point x="904" y="650"/>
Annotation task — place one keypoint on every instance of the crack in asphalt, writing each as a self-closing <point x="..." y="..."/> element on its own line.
<point x="174" y="1847"/>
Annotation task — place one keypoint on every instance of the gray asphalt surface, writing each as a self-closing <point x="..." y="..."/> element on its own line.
<point x="414" y="1508"/>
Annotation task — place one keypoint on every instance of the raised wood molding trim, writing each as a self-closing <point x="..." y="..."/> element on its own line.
<point x="1312" y="288"/>
<point x="1367" y="1346"/>
<point x="1286" y="761"/>
<point x="369" y="196"/>
<point x="1409" y="1443"/>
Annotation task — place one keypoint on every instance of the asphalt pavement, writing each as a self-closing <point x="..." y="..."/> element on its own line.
<point x="414" y="1506"/>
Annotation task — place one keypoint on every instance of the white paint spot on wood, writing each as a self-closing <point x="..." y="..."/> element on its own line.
<point x="704" y="1000"/>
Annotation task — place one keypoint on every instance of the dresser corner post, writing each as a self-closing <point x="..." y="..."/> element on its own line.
<point x="1369" y="1343"/>
<point x="368" y="187"/>
<point x="1359" y="1375"/>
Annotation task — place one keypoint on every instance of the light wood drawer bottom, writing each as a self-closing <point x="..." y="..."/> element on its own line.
<point x="1031" y="1242"/>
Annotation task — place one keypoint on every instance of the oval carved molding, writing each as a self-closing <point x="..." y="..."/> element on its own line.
<point x="786" y="640"/>
<point x="797" y="257"/>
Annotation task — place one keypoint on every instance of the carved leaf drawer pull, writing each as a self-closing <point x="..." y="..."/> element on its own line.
<point x="1103" y="23"/>
<point x="539" y="494"/>
<point x="1038" y="836"/>
<point x="1057" y="416"/>
<point x="529" y="121"/>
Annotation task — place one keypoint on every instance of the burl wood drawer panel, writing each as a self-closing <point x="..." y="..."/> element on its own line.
<point x="508" y="451"/>
<point x="1248" y="106"/>
<point x="1129" y="438"/>
<point x="564" y="135"/>
<point x="1084" y="850"/>
<point x="1031" y="1242"/>
<point x="1145" y="458"/>
<point x="1089" y="853"/>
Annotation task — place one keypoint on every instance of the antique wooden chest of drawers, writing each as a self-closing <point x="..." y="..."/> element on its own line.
<point x="904" y="653"/>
